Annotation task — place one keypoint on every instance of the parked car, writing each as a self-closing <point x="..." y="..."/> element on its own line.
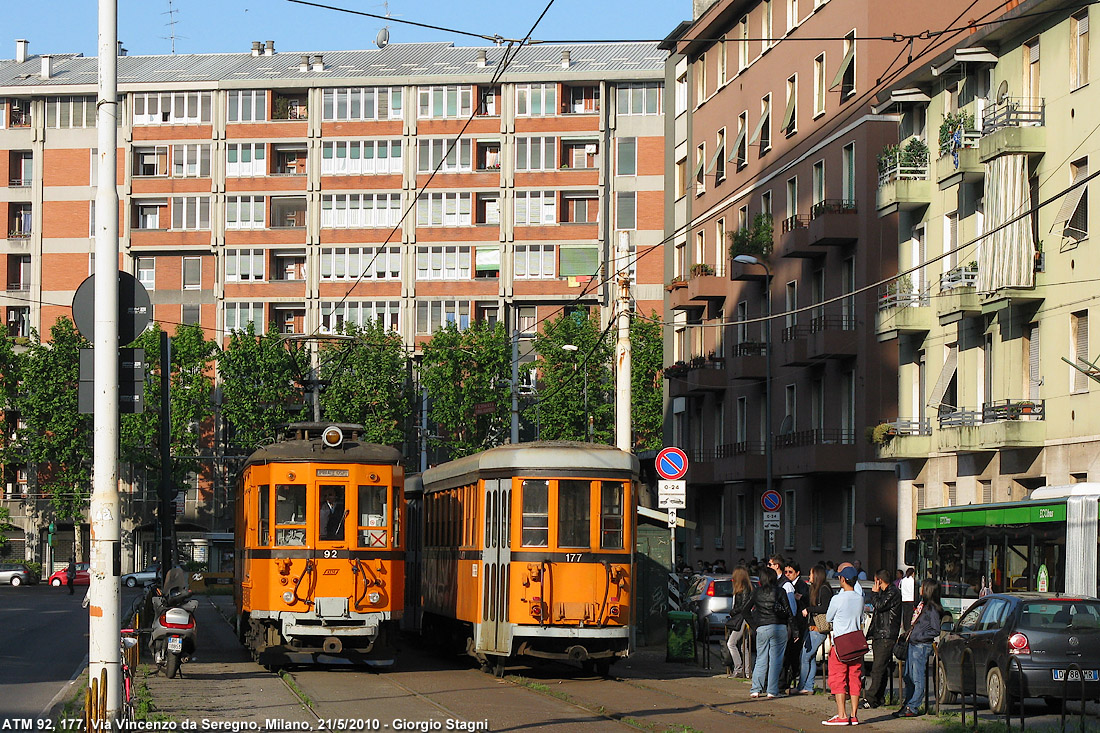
<point x="710" y="597"/>
<point x="61" y="578"/>
<point x="1046" y="633"/>
<point x="142" y="577"/>
<point x="17" y="573"/>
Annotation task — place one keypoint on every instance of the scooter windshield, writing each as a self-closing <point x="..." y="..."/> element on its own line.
<point x="175" y="582"/>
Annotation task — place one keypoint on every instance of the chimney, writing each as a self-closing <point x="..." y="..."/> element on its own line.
<point x="47" y="67"/>
<point x="257" y="48"/>
<point x="121" y="51"/>
<point x="269" y="48"/>
<point x="482" y="57"/>
<point x="303" y="65"/>
<point x="318" y="63"/>
<point x="21" y="50"/>
<point x="565" y="59"/>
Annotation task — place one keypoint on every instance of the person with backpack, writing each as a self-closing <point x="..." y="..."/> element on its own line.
<point x="770" y="612"/>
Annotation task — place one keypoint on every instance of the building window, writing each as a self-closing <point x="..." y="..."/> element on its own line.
<point x="1074" y="212"/>
<point x="1079" y="50"/>
<point x="846" y="74"/>
<point x="190" y="212"/>
<point x="369" y="103"/>
<point x="639" y="99"/>
<point x="145" y="267"/>
<point x="792" y="197"/>
<point x="147" y="215"/>
<point x="186" y="108"/>
<point x="766" y="23"/>
<point x="817" y="522"/>
<point x="444" y="210"/>
<point x="718" y="162"/>
<point x="534" y="261"/>
<point x="244" y="212"/>
<point x="580" y="154"/>
<point x="743" y="44"/>
<point x="700" y="172"/>
<point x="818" y="184"/>
<point x="848" y="173"/>
<point x="289" y="266"/>
<point x="580" y="207"/>
<point x="535" y="208"/>
<point x="626" y="207"/>
<point x="360" y="211"/>
<point x="741" y="146"/>
<point x="191" y="314"/>
<point x="849" y="538"/>
<point x="626" y="156"/>
<point x="246" y="105"/>
<point x="536" y="153"/>
<point x="763" y="131"/>
<point x="790" y="114"/>
<point x="237" y="316"/>
<point x="190" y="161"/>
<point x="70" y="112"/>
<point x="1031" y="69"/>
<point x="244" y="265"/>
<point x="487" y="101"/>
<point x="360" y="157"/>
<point x="151" y="161"/>
<point x="445" y="102"/>
<point x="701" y="79"/>
<point x="789" y="517"/>
<point x="192" y="273"/>
<point x="432" y="315"/>
<point x="488" y="208"/>
<point x="722" y="61"/>
<point x="720" y="249"/>
<point x="536" y="100"/>
<point x="335" y="315"/>
<point x="1079" y="350"/>
<point x="579" y="260"/>
<point x="245" y="160"/>
<point x="681" y="93"/>
<point x="443" y="262"/>
<point x="446" y="155"/>
<point x="582" y="100"/>
<point x="741" y="521"/>
<point x="819" y="85"/>
<point x="792" y="14"/>
<point x="360" y="263"/>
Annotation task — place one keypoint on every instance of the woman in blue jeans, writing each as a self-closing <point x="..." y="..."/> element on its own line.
<point x="926" y="627"/>
<point x="820" y="595"/>
<point x="770" y="613"/>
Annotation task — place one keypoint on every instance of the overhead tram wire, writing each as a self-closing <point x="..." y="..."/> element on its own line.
<point x="391" y="19"/>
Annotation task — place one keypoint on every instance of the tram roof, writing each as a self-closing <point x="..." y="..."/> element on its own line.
<point x="313" y="451"/>
<point x="534" y="458"/>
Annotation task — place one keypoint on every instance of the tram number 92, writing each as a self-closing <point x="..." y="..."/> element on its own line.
<point x="334" y="554"/>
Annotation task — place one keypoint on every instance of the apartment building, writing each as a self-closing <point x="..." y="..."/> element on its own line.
<point x="771" y="154"/>
<point x="990" y="317"/>
<point x="305" y="191"/>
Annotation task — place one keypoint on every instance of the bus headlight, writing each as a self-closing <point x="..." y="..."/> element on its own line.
<point x="374" y="597"/>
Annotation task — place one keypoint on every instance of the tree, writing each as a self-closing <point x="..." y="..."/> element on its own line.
<point x="368" y="382"/>
<point x="10" y="454"/>
<point x="261" y="385"/>
<point x="646" y="401"/>
<point x="460" y="370"/>
<point x="562" y="375"/>
<point x="57" y="438"/>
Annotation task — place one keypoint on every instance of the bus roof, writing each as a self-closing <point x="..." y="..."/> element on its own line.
<point x="1046" y="504"/>
<point x="564" y="457"/>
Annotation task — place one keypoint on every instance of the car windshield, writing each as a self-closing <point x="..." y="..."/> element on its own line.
<point x="723" y="588"/>
<point x="1060" y="614"/>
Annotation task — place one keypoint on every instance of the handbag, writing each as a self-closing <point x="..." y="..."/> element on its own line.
<point x="901" y="648"/>
<point x="851" y="647"/>
<point x="821" y="621"/>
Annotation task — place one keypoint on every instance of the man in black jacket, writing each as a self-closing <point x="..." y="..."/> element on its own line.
<point x="882" y="634"/>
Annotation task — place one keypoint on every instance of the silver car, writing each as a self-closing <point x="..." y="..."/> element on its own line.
<point x="142" y="577"/>
<point x="17" y="573"/>
<point x="710" y="597"/>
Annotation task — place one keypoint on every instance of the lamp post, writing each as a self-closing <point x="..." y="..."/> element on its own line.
<point x="751" y="260"/>
<point x="587" y="428"/>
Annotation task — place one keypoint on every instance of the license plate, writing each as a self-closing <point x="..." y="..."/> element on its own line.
<point x="1091" y="675"/>
<point x="175" y="643"/>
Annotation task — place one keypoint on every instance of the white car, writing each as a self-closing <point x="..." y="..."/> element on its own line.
<point x="142" y="577"/>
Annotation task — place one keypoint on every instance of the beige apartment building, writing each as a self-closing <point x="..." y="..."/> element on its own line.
<point x="293" y="189"/>
<point x="773" y="138"/>
<point x="991" y="314"/>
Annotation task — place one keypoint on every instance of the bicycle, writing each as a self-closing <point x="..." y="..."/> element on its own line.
<point x="128" y="643"/>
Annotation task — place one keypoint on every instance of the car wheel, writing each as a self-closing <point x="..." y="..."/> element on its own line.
<point x="131" y="582"/>
<point x="944" y="695"/>
<point x="16" y="581"/>
<point x="996" y="691"/>
<point x="56" y="582"/>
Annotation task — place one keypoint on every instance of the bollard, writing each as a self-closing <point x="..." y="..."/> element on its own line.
<point x="1020" y="697"/>
<point x="1065" y="692"/>
<point x="967" y="690"/>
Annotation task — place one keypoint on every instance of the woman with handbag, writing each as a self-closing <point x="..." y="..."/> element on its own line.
<point x="926" y="627"/>
<point x="742" y="594"/>
<point x="770" y="613"/>
<point x="820" y="595"/>
<point x="845" y="658"/>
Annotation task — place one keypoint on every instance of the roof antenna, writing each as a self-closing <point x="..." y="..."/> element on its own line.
<point x="383" y="38"/>
<point x="171" y="13"/>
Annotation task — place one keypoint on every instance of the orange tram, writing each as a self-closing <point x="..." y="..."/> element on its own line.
<point x="319" y="563"/>
<point x="526" y="551"/>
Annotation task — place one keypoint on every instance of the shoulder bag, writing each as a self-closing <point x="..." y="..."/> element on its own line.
<point x="821" y="621"/>
<point x="901" y="648"/>
<point x="851" y="647"/>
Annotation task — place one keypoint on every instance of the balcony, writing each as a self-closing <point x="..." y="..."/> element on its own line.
<point x="962" y="164"/>
<point x="958" y="432"/>
<point x="742" y="461"/>
<point x="820" y="450"/>
<point x="748" y="361"/>
<point x="902" y="184"/>
<point x="705" y="286"/>
<point x="958" y="299"/>
<point x="794" y="238"/>
<point x="834" y="222"/>
<point x="740" y="271"/>
<point x="826" y="337"/>
<point x="706" y="375"/>
<point x="1015" y="126"/>
<point x="909" y="438"/>
<point x="901" y="313"/>
<point x="1013" y="424"/>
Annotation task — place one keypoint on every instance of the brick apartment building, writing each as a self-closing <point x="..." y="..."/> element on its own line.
<point x="273" y="187"/>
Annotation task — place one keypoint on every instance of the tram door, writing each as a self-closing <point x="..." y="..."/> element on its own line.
<point x="494" y="572"/>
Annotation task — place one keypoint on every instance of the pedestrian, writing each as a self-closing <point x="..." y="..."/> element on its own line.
<point x="846" y="615"/>
<point x="742" y="596"/>
<point x="770" y="613"/>
<point x="70" y="574"/>
<point x="819" y="596"/>
<point x="720" y="566"/>
<point x="908" y="589"/>
<point x="861" y="574"/>
<point x="926" y="627"/>
<point x="830" y="570"/>
<point x="882" y="634"/>
<point x="898" y="577"/>
<point x="855" y="583"/>
<point x="792" y="660"/>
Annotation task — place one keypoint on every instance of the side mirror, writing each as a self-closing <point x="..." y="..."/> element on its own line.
<point x="912" y="553"/>
<point x="947" y="627"/>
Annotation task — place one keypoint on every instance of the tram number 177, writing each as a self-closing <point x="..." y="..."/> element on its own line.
<point x="572" y="557"/>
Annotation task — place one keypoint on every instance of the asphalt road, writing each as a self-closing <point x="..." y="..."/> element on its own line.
<point x="43" y="644"/>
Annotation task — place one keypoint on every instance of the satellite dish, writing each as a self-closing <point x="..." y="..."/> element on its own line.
<point x="787" y="426"/>
<point x="1002" y="92"/>
<point x="383" y="38"/>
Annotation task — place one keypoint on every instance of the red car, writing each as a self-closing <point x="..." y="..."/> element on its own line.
<point x="61" y="578"/>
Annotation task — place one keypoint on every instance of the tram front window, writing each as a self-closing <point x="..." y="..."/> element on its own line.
<point x="290" y="514"/>
<point x="611" y="515"/>
<point x="536" y="513"/>
<point x="372" y="516"/>
<point x="574" y="513"/>
<point x="330" y="517"/>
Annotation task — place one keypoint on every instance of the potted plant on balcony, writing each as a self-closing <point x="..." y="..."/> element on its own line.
<point x="882" y="433"/>
<point x="915" y="153"/>
<point x="952" y="122"/>
<point x="675" y="283"/>
<point x="755" y="239"/>
<point x="888" y="158"/>
<point x="1023" y="407"/>
<point x="676" y="371"/>
<point x="701" y="268"/>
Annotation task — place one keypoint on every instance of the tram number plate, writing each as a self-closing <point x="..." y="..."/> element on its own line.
<point x="334" y="554"/>
<point x="1091" y="675"/>
<point x="175" y="644"/>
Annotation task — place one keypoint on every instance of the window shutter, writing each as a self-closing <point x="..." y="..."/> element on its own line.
<point x="1034" y="378"/>
<point x="521" y="208"/>
<point x="579" y="261"/>
<point x="1083" y="24"/>
<point x="1034" y="49"/>
<point x="1081" y="340"/>
<point x="848" y="56"/>
<point x="763" y="121"/>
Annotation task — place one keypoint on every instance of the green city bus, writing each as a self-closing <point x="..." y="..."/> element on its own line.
<point x="1046" y="543"/>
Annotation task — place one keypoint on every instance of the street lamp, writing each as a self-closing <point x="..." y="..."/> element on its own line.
<point x="751" y="260"/>
<point x="587" y="428"/>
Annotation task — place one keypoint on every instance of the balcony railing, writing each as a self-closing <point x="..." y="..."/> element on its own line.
<point x="963" y="276"/>
<point x="1014" y="410"/>
<point x="750" y="348"/>
<point x="902" y="171"/>
<point x="1014" y="112"/>
<point x="960" y="418"/>
<point x="816" y="436"/>
<point x="728" y="450"/>
<point x="832" y="206"/>
<point x="817" y="324"/>
<point x="968" y="140"/>
<point x="795" y="222"/>
<point x="890" y="297"/>
<point x="912" y="426"/>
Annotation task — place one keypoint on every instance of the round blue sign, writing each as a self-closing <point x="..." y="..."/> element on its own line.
<point x="771" y="501"/>
<point x="671" y="464"/>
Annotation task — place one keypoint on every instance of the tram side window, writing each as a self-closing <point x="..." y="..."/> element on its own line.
<point x="536" y="514"/>
<point x="372" y="514"/>
<point x="290" y="514"/>
<point x="263" y="516"/>
<point x="574" y="513"/>
<point x="611" y="515"/>
<point x="396" y="523"/>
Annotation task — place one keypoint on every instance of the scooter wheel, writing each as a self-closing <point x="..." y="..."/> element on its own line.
<point x="173" y="667"/>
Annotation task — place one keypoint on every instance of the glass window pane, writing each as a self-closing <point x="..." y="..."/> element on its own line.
<point x="264" y="513"/>
<point x="574" y="513"/>
<point x="290" y="510"/>
<point x="611" y="515"/>
<point x="536" y="517"/>
<point x="331" y="514"/>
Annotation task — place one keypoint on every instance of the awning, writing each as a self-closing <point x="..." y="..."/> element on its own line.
<point x="974" y="54"/>
<point x="844" y="65"/>
<point x="788" y="114"/>
<point x="735" y="155"/>
<point x="764" y="116"/>
<point x="1071" y="201"/>
<point x="950" y="365"/>
<point x="487" y="258"/>
<point x="912" y="95"/>
<point x="714" y="160"/>
<point x="698" y="169"/>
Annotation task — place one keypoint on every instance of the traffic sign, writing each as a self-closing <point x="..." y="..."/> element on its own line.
<point x="134" y="309"/>
<point x="671" y="494"/>
<point x="485" y="408"/>
<point x="672" y="463"/>
<point x="672" y="518"/>
<point x="771" y="500"/>
<point x="771" y="520"/>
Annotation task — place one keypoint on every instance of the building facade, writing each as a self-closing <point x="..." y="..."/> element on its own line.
<point x="412" y="185"/>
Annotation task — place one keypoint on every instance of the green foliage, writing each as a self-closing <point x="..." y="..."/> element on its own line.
<point x="260" y="390"/>
<point x="951" y="122"/>
<point x="562" y="374"/>
<point x="755" y="239"/>
<point x="646" y="404"/>
<point x="912" y="154"/>
<point x="57" y="437"/>
<point x="701" y="268"/>
<point x="368" y="382"/>
<point x="5" y="527"/>
<point x="883" y="433"/>
<point x="461" y="369"/>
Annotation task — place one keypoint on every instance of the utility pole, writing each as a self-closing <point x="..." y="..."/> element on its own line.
<point x="623" y="433"/>
<point x="106" y="551"/>
<point x="515" y="384"/>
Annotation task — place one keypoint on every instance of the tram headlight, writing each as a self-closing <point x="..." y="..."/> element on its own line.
<point x="374" y="597"/>
<point x="288" y="597"/>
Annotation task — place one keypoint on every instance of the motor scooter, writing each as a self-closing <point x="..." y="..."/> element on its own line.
<point x="174" y="631"/>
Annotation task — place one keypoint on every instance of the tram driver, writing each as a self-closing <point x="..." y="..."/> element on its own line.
<point x="331" y="520"/>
